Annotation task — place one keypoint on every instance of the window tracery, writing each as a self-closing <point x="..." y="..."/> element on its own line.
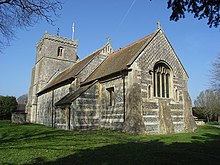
<point x="161" y="78"/>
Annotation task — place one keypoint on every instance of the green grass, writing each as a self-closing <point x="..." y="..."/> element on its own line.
<point x="37" y="144"/>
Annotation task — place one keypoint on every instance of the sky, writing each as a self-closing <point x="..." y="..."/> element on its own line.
<point x="125" y="21"/>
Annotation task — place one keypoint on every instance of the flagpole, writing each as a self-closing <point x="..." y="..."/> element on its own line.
<point x="73" y="31"/>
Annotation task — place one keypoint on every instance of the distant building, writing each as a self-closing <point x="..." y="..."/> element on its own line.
<point x="141" y="88"/>
<point x="19" y="116"/>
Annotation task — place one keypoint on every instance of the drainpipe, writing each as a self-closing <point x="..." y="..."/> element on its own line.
<point x="52" y="108"/>
<point x="69" y="109"/>
<point x="123" y="78"/>
<point x="36" y="109"/>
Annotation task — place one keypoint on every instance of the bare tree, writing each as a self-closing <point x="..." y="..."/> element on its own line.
<point x="215" y="74"/>
<point x="208" y="103"/>
<point x="24" y="13"/>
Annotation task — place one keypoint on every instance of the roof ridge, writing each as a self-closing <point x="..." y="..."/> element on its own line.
<point x="98" y="49"/>
<point x="133" y="43"/>
<point x="82" y="60"/>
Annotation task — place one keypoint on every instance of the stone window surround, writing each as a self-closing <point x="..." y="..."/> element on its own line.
<point x="110" y="95"/>
<point x="161" y="75"/>
<point x="60" y="51"/>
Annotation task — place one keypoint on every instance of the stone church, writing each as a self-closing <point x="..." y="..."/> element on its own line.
<point x="141" y="88"/>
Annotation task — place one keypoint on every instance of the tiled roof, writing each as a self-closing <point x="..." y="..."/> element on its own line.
<point x="20" y="108"/>
<point x="69" y="73"/>
<point x="119" y="60"/>
<point x="70" y="97"/>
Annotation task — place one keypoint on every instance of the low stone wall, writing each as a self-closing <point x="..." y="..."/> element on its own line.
<point x="200" y="122"/>
<point x="18" y="117"/>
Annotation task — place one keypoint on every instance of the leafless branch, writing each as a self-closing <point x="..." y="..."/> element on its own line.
<point x="24" y="13"/>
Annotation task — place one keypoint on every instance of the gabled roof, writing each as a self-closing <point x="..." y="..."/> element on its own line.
<point x="68" y="75"/>
<point x="123" y="58"/>
<point x="20" y="108"/>
<point x="119" y="60"/>
<point x="70" y="97"/>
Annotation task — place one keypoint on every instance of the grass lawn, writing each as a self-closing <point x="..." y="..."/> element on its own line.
<point x="37" y="144"/>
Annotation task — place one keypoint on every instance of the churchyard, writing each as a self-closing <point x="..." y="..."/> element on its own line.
<point x="38" y="144"/>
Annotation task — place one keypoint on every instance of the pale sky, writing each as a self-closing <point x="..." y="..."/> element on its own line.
<point x="125" y="21"/>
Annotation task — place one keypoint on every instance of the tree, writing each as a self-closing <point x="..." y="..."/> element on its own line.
<point x="198" y="112"/>
<point x="8" y="104"/>
<point x="201" y="9"/>
<point x="24" y="13"/>
<point x="215" y="74"/>
<point x="208" y="104"/>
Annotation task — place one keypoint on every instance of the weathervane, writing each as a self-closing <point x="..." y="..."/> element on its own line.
<point x="158" y="25"/>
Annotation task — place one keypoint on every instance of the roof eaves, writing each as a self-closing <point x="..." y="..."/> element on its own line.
<point x="65" y="82"/>
<point x="71" y="100"/>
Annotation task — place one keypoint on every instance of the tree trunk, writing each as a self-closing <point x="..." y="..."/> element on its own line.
<point x="207" y="118"/>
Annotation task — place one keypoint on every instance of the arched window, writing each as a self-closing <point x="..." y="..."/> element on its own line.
<point x="60" y="51"/>
<point x="161" y="80"/>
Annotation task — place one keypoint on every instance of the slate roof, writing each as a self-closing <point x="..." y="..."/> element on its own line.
<point x="119" y="60"/>
<point x="70" y="97"/>
<point x="20" y="108"/>
<point x="68" y="75"/>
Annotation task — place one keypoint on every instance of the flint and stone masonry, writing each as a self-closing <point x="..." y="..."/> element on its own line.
<point x="139" y="89"/>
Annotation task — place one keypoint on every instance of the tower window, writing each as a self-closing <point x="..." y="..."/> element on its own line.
<point x="161" y="78"/>
<point x="110" y="95"/>
<point x="60" y="51"/>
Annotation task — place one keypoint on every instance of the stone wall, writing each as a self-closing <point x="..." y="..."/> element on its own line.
<point x="91" y="110"/>
<point x="48" y="115"/>
<point x="18" y="118"/>
<point x="45" y="105"/>
<point x="85" y="110"/>
<point x="112" y="111"/>
<point x="48" y="47"/>
<point x="48" y="65"/>
<point x="49" y="69"/>
<point x="161" y="115"/>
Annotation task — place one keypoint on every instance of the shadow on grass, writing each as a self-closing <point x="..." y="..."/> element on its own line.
<point x="32" y="132"/>
<point x="151" y="152"/>
<point x="99" y="147"/>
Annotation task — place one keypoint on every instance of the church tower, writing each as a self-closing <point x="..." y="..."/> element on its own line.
<point x="53" y="55"/>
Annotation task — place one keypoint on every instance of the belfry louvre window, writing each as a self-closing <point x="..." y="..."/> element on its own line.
<point x="60" y="51"/>
<point x="161" y="80"/>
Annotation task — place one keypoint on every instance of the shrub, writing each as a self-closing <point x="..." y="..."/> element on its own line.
<point x="7" y="105"/>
